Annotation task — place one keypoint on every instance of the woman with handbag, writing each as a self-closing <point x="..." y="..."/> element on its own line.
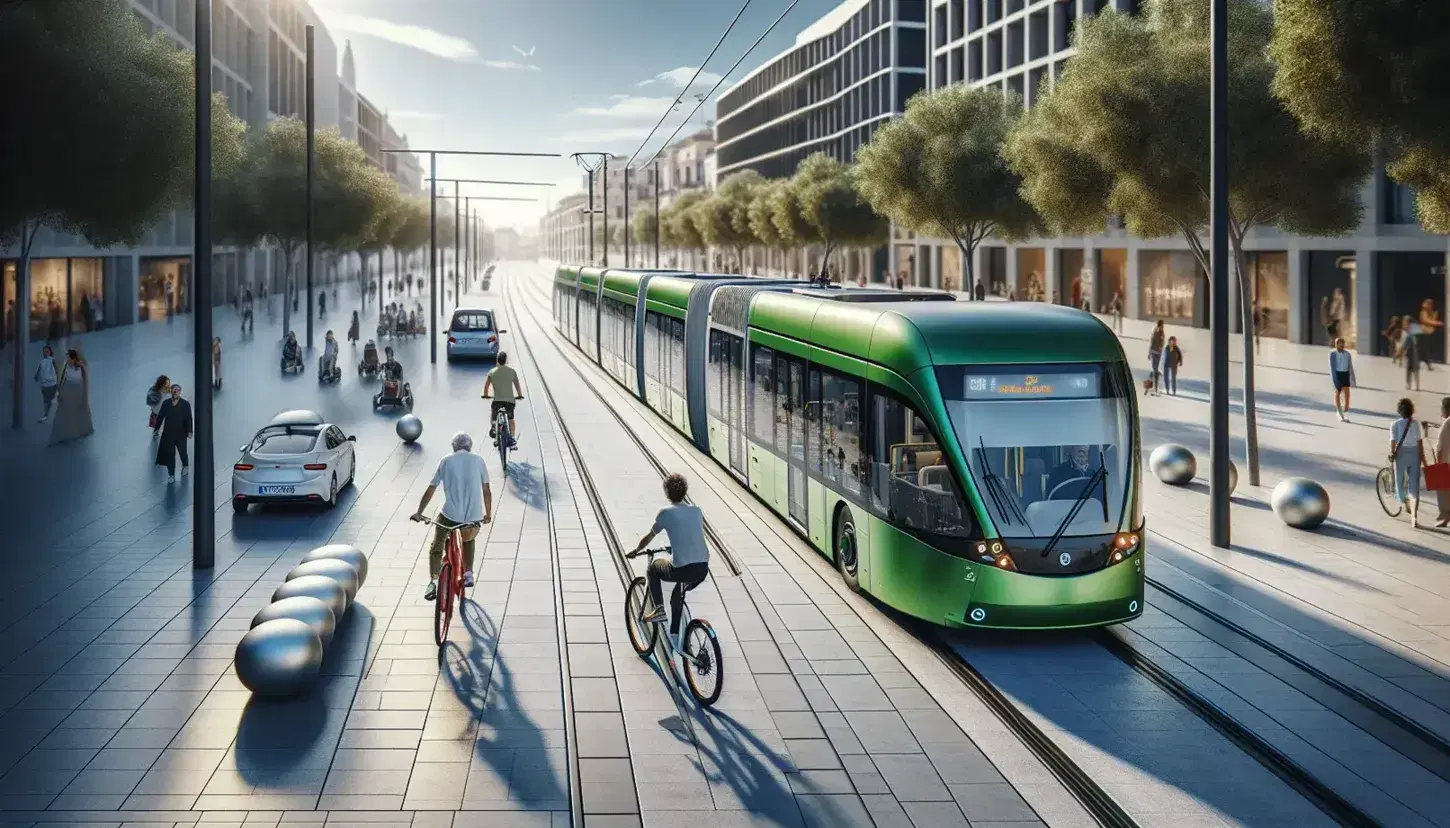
<point x="1407" y="457"/>
<point x="1442" y="465"/>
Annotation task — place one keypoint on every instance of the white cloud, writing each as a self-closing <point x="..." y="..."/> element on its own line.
<point x="680" y="76"/>
<point x="510" y="65"/>
<point x="415" y="115"/>
<point x="628" y="107"/>
<point x="421" y="38"/>
<point x="608" y="134"/>
<point x="523" y="54"/>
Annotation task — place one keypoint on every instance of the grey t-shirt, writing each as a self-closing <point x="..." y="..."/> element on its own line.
<point x="462" y="475"/>
<point x="685" y="526"/>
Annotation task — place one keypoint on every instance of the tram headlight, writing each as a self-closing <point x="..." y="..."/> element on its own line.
<point x="1124" y="545"/>
<point x="995" y="553"/>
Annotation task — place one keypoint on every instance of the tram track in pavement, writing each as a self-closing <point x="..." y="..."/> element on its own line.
<point x="1399" y="732"/>
<point x="1076" y="780"/>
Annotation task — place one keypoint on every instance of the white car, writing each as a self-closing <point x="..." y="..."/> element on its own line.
<point x="297" y="457"/>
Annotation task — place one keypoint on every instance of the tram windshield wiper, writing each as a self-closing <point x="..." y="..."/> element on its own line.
<point x="1100" y="475"/>
<point x="998" y="490"/>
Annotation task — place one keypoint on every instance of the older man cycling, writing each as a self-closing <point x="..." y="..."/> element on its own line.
<point x="464" y="477"/>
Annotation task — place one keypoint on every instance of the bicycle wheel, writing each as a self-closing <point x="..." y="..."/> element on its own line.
<point x="1384" y="488"/>
<point x="704" y="664"/>
<point x="642" y="636"/>
<point x="443" y="605"/>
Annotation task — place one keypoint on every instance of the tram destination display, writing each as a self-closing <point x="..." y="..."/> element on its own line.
<point x="1031" y="385"/>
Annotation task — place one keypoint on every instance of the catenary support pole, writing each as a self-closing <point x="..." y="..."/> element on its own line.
<point x="591" y="217"/>
<point x="433" y="256"/>
<point x="657" y="214"/>
<point x="311" y="168"/>
<point x="626" y="215"/>
<point x="1219" y="519"/>
<point x="458" y="231"/>
<point x="605" y="190"/>
<point x="203" y="483"/>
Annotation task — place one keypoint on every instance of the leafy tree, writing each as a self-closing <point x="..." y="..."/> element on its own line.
<point x="761" y="214"/>
<point x="788" y="219"/>
<point x="939" y="169"/>
<point x="645" y="227"/>
<point x="103" y="147"/>
<point x="389" y="216"/>
<point x="678" y="223"/>
<point x="411" y="233"/>
<point x="723" y="218"/>
<point x="1083" y="151"/>
<point x="1359" y="71"/>
<point x="830" y="202"/>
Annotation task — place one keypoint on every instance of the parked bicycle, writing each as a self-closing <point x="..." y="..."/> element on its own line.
<point x="450" y="576"/>
<point x="699" y="647"/>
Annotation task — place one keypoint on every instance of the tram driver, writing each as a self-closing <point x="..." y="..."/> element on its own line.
<point x="1079" y="465"/>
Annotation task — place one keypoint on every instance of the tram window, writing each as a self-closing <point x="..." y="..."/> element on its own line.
<point x="841" y="430"/>
<point x="651" y="345"/>
<point x="762" y="396"/>
<point x="712" y="380"/>
<point x="798" y="410"/>
<point x="783" y="365"/>
<point x="910" y="481"/>
<point x="813" y="421"/>
<point x="677" y="355"/>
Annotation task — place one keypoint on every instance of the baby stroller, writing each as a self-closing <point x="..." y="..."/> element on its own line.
<point x="326" y="375"/>
<point x="394" y="392"/>
<point x="369" y="366"/>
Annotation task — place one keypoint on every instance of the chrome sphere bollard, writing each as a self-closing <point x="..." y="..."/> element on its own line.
<point x="1233" y="477"/>
<point x="341" y="552"/>
<point x="1301" y="503"/>
<point x="309" y="611"/>
<point x="279" y="659"/>
<point x="324" y="589"/>
<point x="1173" y="464"/>
<point x="338" y="570"/>
<point x="409" y="428"/>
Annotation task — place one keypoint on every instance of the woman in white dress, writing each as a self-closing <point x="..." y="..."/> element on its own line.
<point x="72" y="401"/>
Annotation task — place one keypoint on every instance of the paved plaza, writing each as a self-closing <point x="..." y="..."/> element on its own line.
<point x="119" y="703"/>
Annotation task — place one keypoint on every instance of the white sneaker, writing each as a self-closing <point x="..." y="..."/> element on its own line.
<point x="43" y="419"/>
<point x="170" y="478"/>
<point x="185" y="470"/>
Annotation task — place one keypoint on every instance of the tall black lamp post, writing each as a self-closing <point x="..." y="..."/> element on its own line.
<point x="1219" y="519"/>
<point x="311" y="169"/>
<point x="203" y="484"/>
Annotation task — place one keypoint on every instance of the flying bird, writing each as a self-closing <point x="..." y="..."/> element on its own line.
<point x="522" y="53"/>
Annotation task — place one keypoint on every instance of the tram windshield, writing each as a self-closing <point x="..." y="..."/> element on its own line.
<point x="1048" y="446"/>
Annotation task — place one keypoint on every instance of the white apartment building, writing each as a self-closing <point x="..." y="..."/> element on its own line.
<point x="683" y="165"/>
<point x="564" y="230"/>
<point x="259" y="63"/>
<point x="1385" y="267"/>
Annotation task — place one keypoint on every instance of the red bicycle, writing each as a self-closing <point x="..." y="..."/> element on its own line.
<point x="450" y="575"/>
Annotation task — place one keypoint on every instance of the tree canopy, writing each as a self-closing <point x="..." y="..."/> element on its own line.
<point x="411" y="232"/>
<point x="722" y="219"/>
<point x="644" y="226"/>
<point x="761" y="215"/>
<point x="830" y="202"/>
<point x="1363" y="71"/>
<point x="679" y="225"/>
<point x="939" y="169"/>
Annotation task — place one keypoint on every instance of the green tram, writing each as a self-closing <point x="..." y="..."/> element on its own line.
<point x="972" y="464"/>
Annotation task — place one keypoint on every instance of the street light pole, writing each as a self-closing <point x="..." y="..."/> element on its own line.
<point x="626" y="215"/>
<point x="606" y="211"/>
<point x="591" y="217"/>
<point x="311" y="167"/>
<point x="657" y="215"/>
<point x="433" y="256"/>
<point x="1219" y="518"/>
<point x="458" y="231"/>
<point x="203" y="484"/>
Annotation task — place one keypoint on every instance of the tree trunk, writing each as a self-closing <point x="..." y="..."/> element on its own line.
<point x="1246" y="314"/>
<point x="970" y="286"/>
<point x="286" y="291"/>
<point x="21" y="322"/>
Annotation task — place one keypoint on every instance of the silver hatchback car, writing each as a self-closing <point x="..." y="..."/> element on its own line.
<point x="472" y="333"/>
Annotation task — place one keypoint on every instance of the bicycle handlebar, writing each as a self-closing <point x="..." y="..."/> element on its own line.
<point x="651" y="552"/>
<point x="428" y="520"/>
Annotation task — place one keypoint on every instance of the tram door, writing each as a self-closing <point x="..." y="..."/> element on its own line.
<point x="735" y="394"/>
<point x="796" y="454"/>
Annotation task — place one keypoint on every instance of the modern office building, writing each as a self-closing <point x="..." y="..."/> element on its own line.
<point x="259" y="64"/>
<point x="847" y="74"/>
<point x="1386" y="266"/>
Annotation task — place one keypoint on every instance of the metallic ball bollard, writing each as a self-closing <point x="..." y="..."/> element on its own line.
<point x="1173" y="464"/>
<point x="409" y="428"/>
<point x="338" y="570"/>
<point x="321" y="587"/>
<point x="341" y="552"/>
<point x="309" y="611"/>
<point x="1301" y="503"/>
<point x="279" y="659"/>
<point x="1233" y="477"/>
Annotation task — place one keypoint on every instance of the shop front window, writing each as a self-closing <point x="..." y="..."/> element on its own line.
<point x="951" y="267"/>
<point x="1269" y="274"/>
<point x="87" y="294"/>
<point x="164" y="288"/>
<point x="7" y="278"/>
<point x="1075" y="281"/>
<point x="1032" y="274"/>
<point x="47" y="299"/>
<point x="1112" y="279"/>
<point x="1171" y="280"/>
<point x="1331" y="297"/>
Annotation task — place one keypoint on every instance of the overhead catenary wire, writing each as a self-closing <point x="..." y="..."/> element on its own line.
<point x="680" y="97"/>
<point x="727" y="74"/>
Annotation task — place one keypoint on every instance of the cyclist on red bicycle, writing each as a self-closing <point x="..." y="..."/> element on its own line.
<point x="689" y="560"/>
<point x="464" y="477"/>
<point x="503" y="381"/>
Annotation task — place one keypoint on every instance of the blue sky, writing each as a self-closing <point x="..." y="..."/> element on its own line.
<point x="546" y="75"/>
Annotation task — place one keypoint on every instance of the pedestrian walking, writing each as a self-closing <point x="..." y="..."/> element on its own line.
<point x="1341" y="373"/>
<point x="1407" y="456"/>
<point x="1409" y="352"/>
<point x="1172" y="361"/>
<point x="1155" y="353"/>
<point x="47" y="374"/>
<point x="1442" y="452"/>
<point x="1392" y="333"/>
<point x="980" y="291"/>
<point x="72" y="401"/>
<point x="1115" y="308"/>
<point x="322" y="304"/>
<point x="248" y="325"/>
<point x="1430" y="325"/>
<point x="353" y="331"/>
<point x="1333" y="309"/>
<point x="176" y="429"/>
<point x="155" y="396"/>
<point x="170" y="299"/>
<point x="216" y="363"/>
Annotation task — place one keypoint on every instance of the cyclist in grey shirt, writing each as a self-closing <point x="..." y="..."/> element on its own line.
<point x="689" y="560"/>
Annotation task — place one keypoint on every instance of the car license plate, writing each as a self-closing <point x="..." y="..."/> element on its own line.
<point x="276" y="490"/>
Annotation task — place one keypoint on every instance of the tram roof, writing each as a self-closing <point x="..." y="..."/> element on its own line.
<point x="909" y="335"/>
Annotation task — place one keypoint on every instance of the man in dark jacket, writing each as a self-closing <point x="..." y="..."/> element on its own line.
<point x="174" y="420"/>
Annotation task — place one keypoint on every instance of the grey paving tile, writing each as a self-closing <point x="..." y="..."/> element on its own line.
<point x="911" y="777"/>
<point x="935" y="814"/>
<point x="855" y="693"/>
<point x="830" y="811"/>
<point x="607" y="786"/>
<point x="992" y="802"/>
<point x="886" y="812"/>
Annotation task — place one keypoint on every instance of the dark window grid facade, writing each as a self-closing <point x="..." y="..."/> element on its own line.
<point x="993" y="37"/>
<point x="868" y="21"/>
<point x="822" y="116"/>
